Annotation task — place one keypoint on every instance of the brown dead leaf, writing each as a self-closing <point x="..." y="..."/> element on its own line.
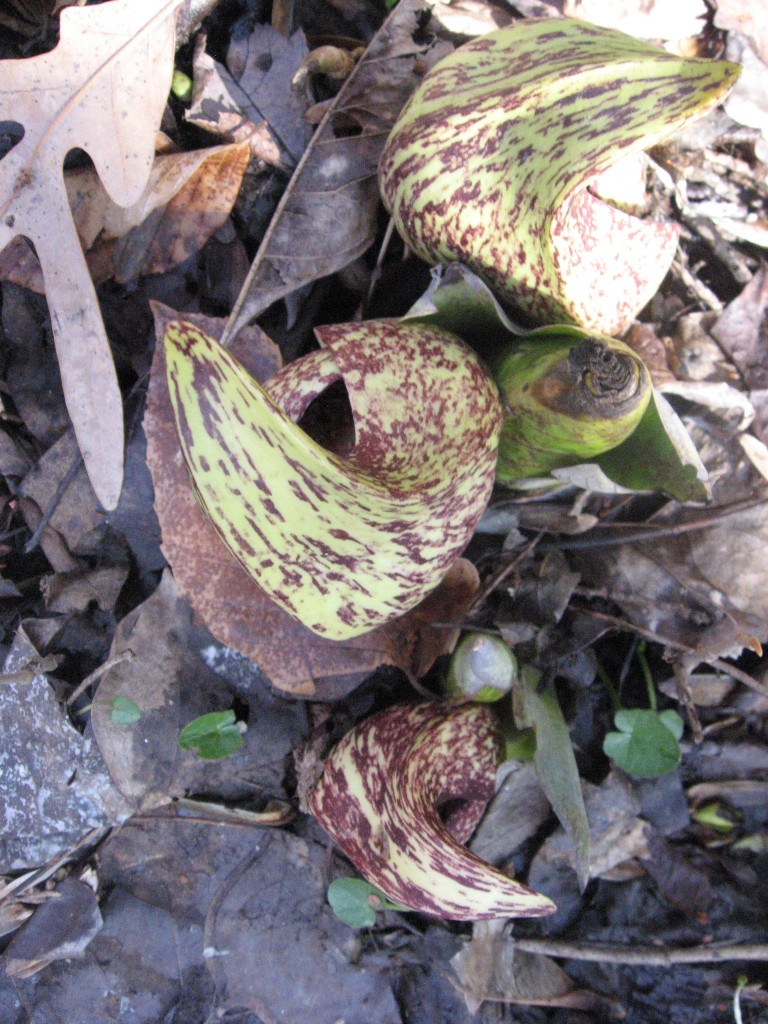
<point x="235" y="609"/>
<point x="327" y="215"/>
<point x="171" y="685"/>
<point x="254" y="99"/>
<point x="75" y="591"/>
<point x="704" y="590"/>
<point x="192" y="215"/>
<point x="187" y="198"/>
<point x="742" y="332"/>
<point x="103" y="90"/>
<point x="747" y="18"/>
<point x="490" y="968"/>
<point x="60" y="929"/>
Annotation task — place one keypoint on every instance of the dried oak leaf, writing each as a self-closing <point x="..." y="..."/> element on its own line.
<point x="102" y="89"/>
<point x="187" y="198"/>
<point x="234" y="608"/>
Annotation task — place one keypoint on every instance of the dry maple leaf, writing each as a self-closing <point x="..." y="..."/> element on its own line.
<point x="103" y="90"/>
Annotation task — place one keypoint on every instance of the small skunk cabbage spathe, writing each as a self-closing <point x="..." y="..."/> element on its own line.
<point x="567" y="397"/>
<point x="380" y="797"/>
<point x="342" y="544"/>
<point x="492" y="160"/>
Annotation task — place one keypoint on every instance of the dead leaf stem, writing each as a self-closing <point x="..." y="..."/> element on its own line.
<point x="69" y="476"/>
<point x="626" y="534"/>
<point x="643" y="955"/>
<point x="718" y="663"/>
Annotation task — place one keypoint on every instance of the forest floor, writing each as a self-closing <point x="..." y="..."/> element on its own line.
<point x="142" y="883"/>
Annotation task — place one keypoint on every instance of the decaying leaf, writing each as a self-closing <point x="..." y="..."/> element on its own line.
<point x="232" y="605"/>
<point x="334" y="188"/>
<point x="188" y="196"/>
<point x="103" y="89"/>
<point x="171" y="684"/>
<point x="254" y="99"/>
<point x="493" y="159"/>
<point x="60" y="929"/>
<point x="342" y="544"/>
<point x="490" y="968"/>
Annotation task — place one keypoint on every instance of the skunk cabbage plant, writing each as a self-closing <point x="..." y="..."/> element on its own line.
<point x="380" y="796"/>
<point x="494" y="162"/>
<point x="342" y="544"/>
<point x="567" y="398"/>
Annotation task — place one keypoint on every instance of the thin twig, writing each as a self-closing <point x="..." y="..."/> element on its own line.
<point x="70" y="475"/>
<point x="97" y="673"/>
<point x="637" y="535"/>
<point x="644" y="955"/>
<point x="718" y="663"/>
<point x="705" y="295"/>
<point x="376" y="272"/>
<point x="500" y="575"/>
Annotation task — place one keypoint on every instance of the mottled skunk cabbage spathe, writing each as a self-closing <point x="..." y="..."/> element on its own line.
<point x="342" y="544"/>
<point x="493" y="159"/>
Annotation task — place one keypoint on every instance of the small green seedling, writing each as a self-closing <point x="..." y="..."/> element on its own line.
<point x="646" y="744"/>
<point x="213" y="736"/>
<point x="355" y="902"/>
<point x="712" y="816"/>
<point x="181" y="86"/>
<point x="741" y="982"/>
<point x="123" y="711"/>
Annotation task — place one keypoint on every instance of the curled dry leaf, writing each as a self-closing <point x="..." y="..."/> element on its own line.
<point x="102" y="89"/>
<point x="236" y="609"/>
<point x="379" y="799"/>
<point x="492" y="161"/>
<point x="342" y="544"/>
<point x="491" y="968"/>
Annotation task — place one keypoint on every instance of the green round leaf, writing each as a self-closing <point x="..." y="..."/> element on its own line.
<point x="212" y="736"/>
<point x="124" y="711"/>
<point x="673" y="722"/>
<point x="645" y="746"/>
<point x="350" y="901"/>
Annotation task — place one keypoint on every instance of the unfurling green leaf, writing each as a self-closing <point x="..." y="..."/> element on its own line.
<point x="567" y="398"/>
<point x="646" y="744"/>
<point x="342" y="544"/>
<point x="554" y="761"/>
<point x="212" y="736"/>
<point x="494" y="162"/>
